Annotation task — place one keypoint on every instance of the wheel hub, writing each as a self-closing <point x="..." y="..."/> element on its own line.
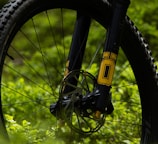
<point x="77" y="103"/>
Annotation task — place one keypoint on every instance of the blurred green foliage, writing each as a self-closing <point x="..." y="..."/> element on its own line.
<point x="120" y="127"/>
<point x="144" y="15"/>
<point x="125" y="97"/>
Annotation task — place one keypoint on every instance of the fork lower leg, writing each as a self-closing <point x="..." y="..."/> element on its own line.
<point x="110" y="52"/>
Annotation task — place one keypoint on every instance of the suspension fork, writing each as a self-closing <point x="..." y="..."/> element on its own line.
<point x="78" y="44"/>
<point x="110" y="52"/>
<point x="77" y="48"/>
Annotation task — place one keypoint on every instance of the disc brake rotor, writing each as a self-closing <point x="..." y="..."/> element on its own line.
<point x="77" y="101"/>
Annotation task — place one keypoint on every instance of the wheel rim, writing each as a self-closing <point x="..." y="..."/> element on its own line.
<point x="34" y="73"/>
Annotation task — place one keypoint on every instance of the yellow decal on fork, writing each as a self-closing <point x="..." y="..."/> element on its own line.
<point x="107" y="68"/>
<point x="66" y="72"/>
<point x="66" y="68"/>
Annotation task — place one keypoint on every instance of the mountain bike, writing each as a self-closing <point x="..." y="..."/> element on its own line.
<point x="58" y="66"/>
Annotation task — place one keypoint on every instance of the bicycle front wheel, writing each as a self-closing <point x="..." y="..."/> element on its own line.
<point x="35" y="38"/>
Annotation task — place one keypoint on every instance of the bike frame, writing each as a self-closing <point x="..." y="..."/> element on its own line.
<point x="110" y="51"/>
